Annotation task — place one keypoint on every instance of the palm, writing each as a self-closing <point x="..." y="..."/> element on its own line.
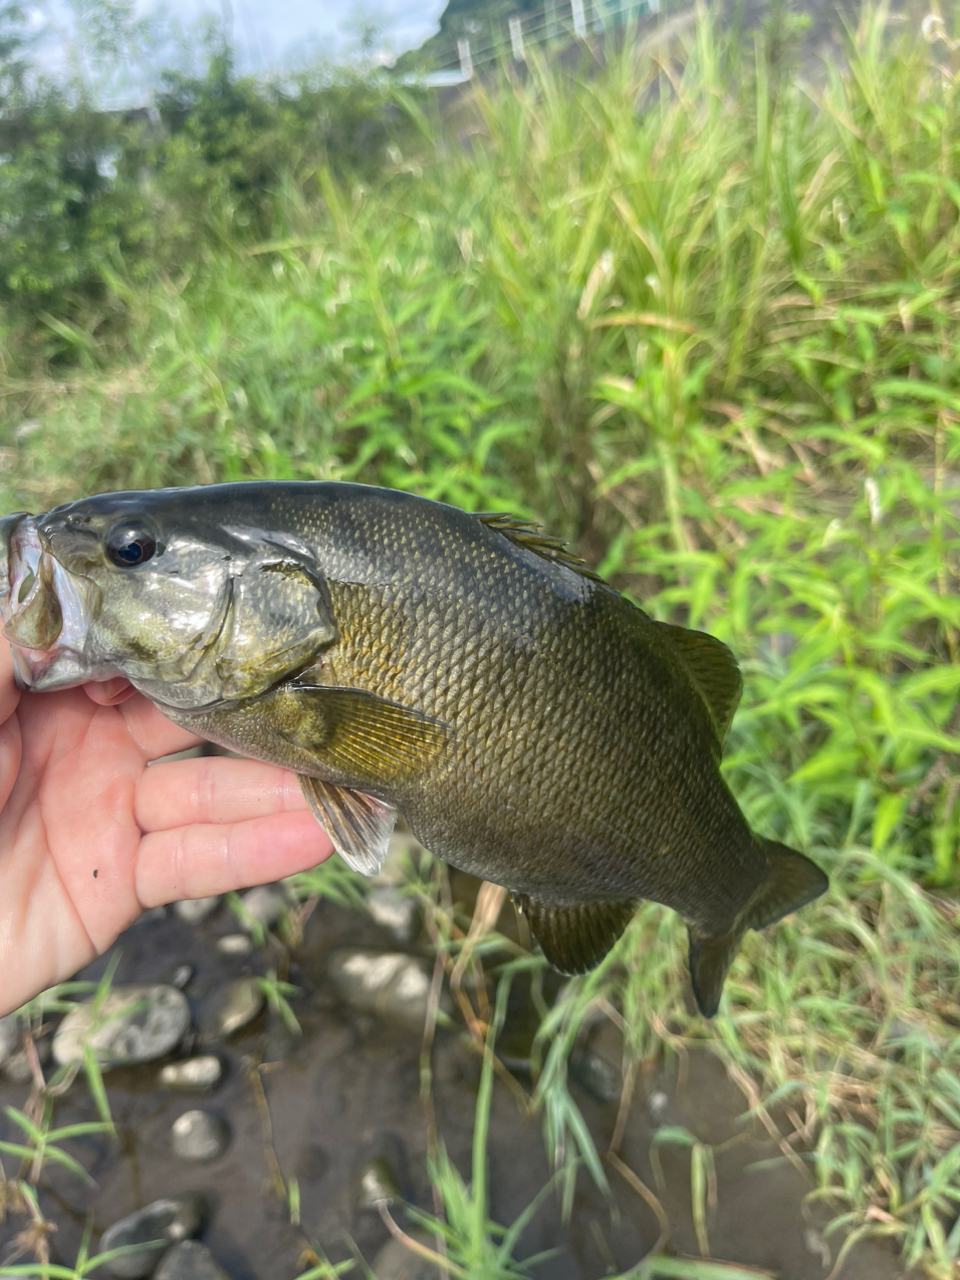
<point x="89" y="835"/>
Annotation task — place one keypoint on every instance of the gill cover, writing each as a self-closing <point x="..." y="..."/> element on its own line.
<point x="273" y="617"/>
<point x="279" y="616"/>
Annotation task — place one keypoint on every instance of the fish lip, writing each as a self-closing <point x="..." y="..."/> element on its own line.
<point x="29" y="567"/>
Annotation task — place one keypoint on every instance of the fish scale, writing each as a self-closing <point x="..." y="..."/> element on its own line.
<point x="533" y="726"/>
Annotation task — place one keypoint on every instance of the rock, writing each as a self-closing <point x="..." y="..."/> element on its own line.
<point x="396" y="1262"/>
<point x="242" y="1002"/>
<point x="155" y="1227"/>
<point x="133" y="1024"/>
<point x="19" y="1066"/>
<point x="200" y="1136"/>
<point x="597" y="1076"/>
<point x="262" y="907"/>
<point x="190" y="1261"/>
<point x="395" y="911"/>
<point x="196" y="910"/>
<point x="181" y="976"/>
<point x="394" y="985"/>
<point x="658" y="1104"/>
<point x="203" y="1072"/>
<point x="376" y="1185"/>
<point x="234" y="944"/>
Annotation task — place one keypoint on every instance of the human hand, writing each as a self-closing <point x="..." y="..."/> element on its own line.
<point x="90" y="835"/>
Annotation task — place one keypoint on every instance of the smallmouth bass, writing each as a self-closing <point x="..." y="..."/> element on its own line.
<point x="533" y="727"/>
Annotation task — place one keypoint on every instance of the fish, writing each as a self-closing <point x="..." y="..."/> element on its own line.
<point x="532" y="725"/>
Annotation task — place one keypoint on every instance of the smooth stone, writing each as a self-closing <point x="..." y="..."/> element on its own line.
<point x="241" y="1004"/>
<point x="18" y="1066"/>
<point x="200" y="1136"/>
<point x="133" y="1024"/>
<point x="396" y="1262"/>
<point x="395" y="911"/>
<point x="190" y="1261"/>
<point x="658" y="1105"/>
<point x="156" y="1227"/>
<point x="234" y="944"/>
<point x="196" y="910"/>
<point x="391" y="984"/>
<point x="597" y="1076"/>
<point x="262" y="906"/>
<point x="181" y="976"/>
<point x="376" y="1184"/>
<point x="203" y="1072"/>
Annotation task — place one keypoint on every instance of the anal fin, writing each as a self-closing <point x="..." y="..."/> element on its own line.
<point x="575" y="939"/>
<point x="359" y="825"/>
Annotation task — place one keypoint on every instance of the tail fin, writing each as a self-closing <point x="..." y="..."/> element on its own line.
<point x="792" y="881"/>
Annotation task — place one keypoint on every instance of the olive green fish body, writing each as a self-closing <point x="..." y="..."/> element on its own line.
<point x="533" y="726"/>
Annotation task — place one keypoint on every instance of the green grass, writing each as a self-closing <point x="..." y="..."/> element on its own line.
<point x="698" y="314"/>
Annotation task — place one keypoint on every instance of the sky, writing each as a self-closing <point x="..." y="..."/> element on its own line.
<point x="266" y="36"/>
<point x="275" y="30"/>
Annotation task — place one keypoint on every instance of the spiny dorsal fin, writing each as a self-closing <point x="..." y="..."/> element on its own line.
<point x="714" y="670"/>
<point x="575" y="939"/>
<point x="359" y="826"/>
<point x="527" y="534"/>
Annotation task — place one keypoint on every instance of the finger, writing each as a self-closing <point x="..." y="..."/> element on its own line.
<point x="11" y="753"/>
<point x="9" y="693"/>
<point x="153" y="733"/>
<point x="203" y="859"/>
<point x="213" y="789"/>
<point x="109" y="693"/>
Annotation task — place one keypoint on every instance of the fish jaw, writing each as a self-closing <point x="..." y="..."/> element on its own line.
<point x="46" y="612"/>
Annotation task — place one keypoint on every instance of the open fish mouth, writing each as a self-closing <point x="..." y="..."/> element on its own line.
<point x="45" y="611"/>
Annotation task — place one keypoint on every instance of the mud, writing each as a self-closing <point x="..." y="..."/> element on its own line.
<point x="316" y="1109"/>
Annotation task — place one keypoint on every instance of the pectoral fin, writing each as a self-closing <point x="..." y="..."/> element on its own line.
<point x="359" y="826"/>
<point x="575" y="939"/>
<point x="360" y="734"/>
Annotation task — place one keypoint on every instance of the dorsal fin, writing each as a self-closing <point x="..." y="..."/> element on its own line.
<point x="714" y="671"/>
<point x="527" y="534"/>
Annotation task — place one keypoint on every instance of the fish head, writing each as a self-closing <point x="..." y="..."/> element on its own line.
<point x="155" y="587"/>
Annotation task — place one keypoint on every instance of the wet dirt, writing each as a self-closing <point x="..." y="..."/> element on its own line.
<point x="317" y="1108"/>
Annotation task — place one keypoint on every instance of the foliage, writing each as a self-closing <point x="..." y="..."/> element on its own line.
<point x="700" y="316"/>
<point x="87" y="194"/>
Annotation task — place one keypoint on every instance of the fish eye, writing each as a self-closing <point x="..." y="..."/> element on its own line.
<point x="129" y="544"/>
